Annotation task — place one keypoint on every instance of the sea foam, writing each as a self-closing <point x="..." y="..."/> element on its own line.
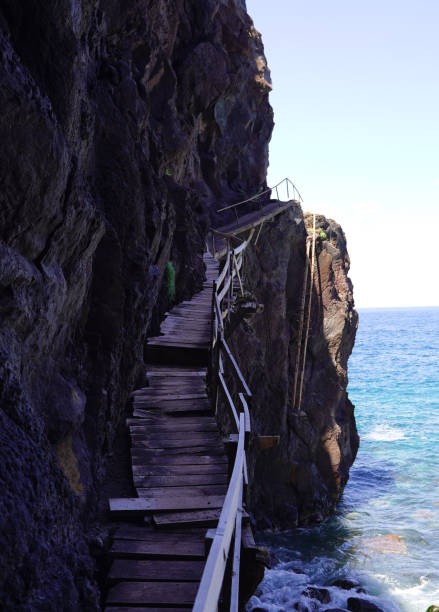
<point x="385" y="433"/>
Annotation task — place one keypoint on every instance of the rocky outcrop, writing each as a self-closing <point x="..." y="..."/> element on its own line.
<point x="299" y="480"/>
<point x="122" y="128"/>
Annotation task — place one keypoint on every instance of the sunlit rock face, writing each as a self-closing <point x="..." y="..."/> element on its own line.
<point x="299" y="480"/>
<point x="123" y="127"/>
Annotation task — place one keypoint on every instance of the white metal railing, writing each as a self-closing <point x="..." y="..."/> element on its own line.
<point x="285" y="187"/>
<point x="229" y="527"/>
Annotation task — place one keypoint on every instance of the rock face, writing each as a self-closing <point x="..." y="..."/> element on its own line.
<point x="123" y="126"/>
<point x="299" y="480"/>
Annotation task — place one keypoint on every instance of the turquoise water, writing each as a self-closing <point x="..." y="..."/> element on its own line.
<point x="385" y="534"/>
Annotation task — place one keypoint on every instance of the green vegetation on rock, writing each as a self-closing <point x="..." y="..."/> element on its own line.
<point x="170" y="280"/>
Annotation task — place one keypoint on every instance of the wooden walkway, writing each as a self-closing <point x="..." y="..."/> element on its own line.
<point x="247" y="222"/>
<point x="180" y="469"/>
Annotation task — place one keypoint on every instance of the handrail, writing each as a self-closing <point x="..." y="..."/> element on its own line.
<point x="230" y="521"/>
<point x="213" y="575"/>
<point x="287" y="182"/>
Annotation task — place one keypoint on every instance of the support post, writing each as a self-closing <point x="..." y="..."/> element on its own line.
<point x="311" y="286"/>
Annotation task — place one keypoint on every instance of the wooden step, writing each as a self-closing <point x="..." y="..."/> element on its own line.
<point x="126" y="506"/>
<point x="177" y="429"/>
<point x="142" y="609"/>
<point x="153" y="593"/>
<point x="172" y="493"/>
<point x="183" y="410"/>
<point x="156" y="570"/>
<point x="129" y="531"/>
<point x="166" y="548"/>
<point x="175" y="480"/>
<point x="164" y="435"/>
<point x="140" y="471"/>
<point x="153" y="395"/>
<point x="150" y="460"/>
<point x="157" y="371"/>
<point x="195" y="518"/>
<point x="162" y="442"/>
<point x="179" y="453"/>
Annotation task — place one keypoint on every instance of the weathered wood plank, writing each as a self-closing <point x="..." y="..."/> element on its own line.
<point x="170" y="520"/>
<point x="153" y="593"/>
<point x="140" y="505"/>
<point x="130" y="531"/>
<point x="150" y="460"/>
<point x="155" y="396"/>
<point x="162" y="341"/>
<point x="140" y="471"/>
<point x="142" y="609"/>
<point x="175" y="480"/>
<point x="173" y="548"/>
<point x="175" y="428"/>
<point x="156" y="371"/>
<point x="180" y="452"/>
<point x="155" y="570"/>
<point x="169" y="434"/>
<point x="162" y="442"/>
<point x="163" y="403"/>
<point x="172" y="493"/>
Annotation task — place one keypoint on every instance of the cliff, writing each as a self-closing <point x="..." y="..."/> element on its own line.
<point x="299" y="480"/>
<point x="122" y="125"/>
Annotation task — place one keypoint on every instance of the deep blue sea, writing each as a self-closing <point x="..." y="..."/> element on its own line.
<point x="385" y="534"/>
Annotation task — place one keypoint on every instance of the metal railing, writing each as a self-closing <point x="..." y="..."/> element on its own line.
<point x="222" y="554"/>
<point x="285" y="187"/>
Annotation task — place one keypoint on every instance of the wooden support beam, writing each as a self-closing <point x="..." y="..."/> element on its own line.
<point x="266" y="442"/>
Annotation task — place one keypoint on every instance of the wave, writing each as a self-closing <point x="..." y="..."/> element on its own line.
<point x="385" y="433"/>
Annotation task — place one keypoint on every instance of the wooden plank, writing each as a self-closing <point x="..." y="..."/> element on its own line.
<point x="178" y="371"/>
<point x="174" y="548"/>
<point x="140" y="505"/>
<point x="162" y="434"/>
<point x="166" y="459"/>
<point x="175" y="480"/>
<point x="170" y="520"/>
<point x="154" y="395"/>
<point x="181" y="451"/>
<point x="162" y="442"/>
<point x="155" y="570"/>
<point x="177" y="428"/>
<point x="153" y="593"/>
<point x="177" y="343"/>
<point x="172" y="493"/>
<point x="155" y="417"/>
<point x="157" y="471"/>
<point x="169" y="410"/>
<point x="130" y="531"/>
<point x="142" y="609"/>
<point x="167" y="422"/>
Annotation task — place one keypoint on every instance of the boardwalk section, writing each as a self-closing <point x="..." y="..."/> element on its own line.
<point x="180" y="469"/>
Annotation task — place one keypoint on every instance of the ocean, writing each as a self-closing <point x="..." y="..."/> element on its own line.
<point x="385" y="533"/>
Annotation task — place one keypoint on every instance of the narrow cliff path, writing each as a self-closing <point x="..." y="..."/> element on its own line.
<point x="180" y="469"/>
<point x="247" y="222"/>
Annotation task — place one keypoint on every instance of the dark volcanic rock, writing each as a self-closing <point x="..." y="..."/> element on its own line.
<point x="320" y="594"/>
<point x="122" y="128"/>
<point x="345" y="584"/>
<point x="301" y="479"/>
<point x="362" y="605"/>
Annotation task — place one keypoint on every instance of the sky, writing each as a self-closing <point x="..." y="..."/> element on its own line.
<point x="356" y="108"/>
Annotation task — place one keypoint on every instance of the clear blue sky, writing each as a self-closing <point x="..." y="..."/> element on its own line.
<point x="356" y="106"/>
